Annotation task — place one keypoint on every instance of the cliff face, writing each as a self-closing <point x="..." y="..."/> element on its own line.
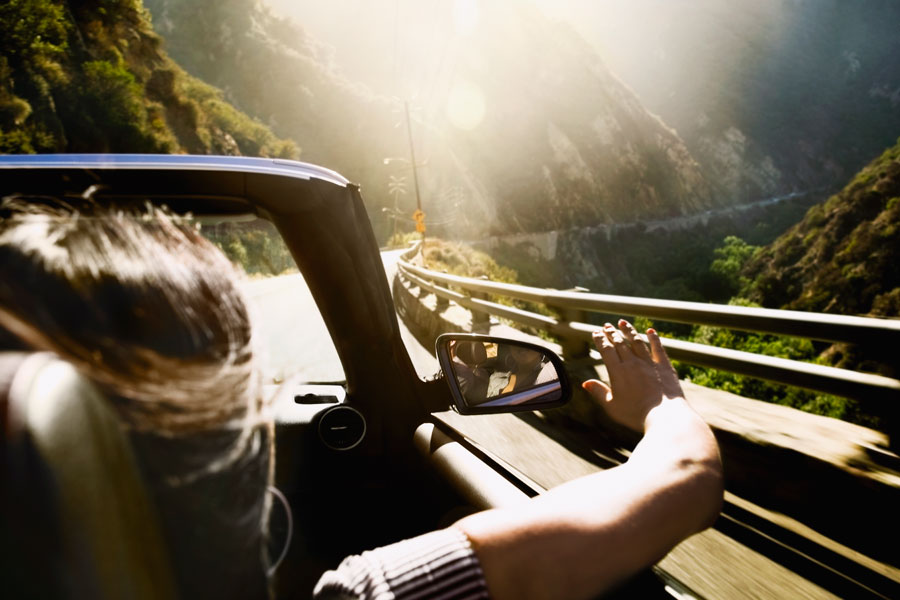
<point x="769" y="96"/>
<point x="523" y="127"/>
<point x="93" y="77"/>
<point x="563" y="142"/>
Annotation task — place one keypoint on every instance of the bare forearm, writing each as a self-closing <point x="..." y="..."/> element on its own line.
<point x="581" y="538"/>
<point x="584" y="536"/>
<point x="678" y="441"/>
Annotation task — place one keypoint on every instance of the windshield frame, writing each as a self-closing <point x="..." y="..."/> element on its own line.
<point x="319" y="214"/>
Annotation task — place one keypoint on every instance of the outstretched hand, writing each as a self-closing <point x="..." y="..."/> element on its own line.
<point x="640" y="378"/>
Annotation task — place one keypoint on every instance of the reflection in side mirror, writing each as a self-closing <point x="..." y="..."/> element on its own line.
<point x="489" y="374"/>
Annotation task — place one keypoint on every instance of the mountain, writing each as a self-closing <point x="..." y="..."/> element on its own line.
<point x="273" y="70"/>
<point x="93" y="77"/>
<point x="769" y="96"/>
<point x="563" y="142"/>
<point x="522" y="126"/>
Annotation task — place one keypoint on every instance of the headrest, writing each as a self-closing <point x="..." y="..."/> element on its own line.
<point x="471" y="353"/>
<point x="67" y="455"/>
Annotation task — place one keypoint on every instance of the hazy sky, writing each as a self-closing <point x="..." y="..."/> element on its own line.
<point x="388" y="43"/>
<point x="408" y="48"/>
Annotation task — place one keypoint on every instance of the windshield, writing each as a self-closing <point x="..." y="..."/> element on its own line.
<point x="290" y="333"/>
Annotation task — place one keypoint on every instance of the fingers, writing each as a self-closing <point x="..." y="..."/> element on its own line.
<point x="605" y="346"/>
<point x="618" y="341"/>
<point x="613" y="345"/>
<point x="664" y="369"/>
<point x="656" y="349"/>
<point x="638" y="347"/>
<point x="598" y="390"/>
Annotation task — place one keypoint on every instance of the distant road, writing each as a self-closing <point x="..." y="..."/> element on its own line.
<point x="547" y="239"/>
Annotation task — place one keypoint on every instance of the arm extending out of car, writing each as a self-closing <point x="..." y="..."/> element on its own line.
<point x="581" y="538"/>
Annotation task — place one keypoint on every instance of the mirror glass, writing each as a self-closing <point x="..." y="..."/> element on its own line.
<point x="503" y="374"/>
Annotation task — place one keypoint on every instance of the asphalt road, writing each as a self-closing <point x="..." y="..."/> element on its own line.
<point x="293" y="338"/>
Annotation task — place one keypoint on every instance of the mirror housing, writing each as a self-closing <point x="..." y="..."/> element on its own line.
<point x="489" y="374"/>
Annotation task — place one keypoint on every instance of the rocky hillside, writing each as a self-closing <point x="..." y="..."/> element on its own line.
<point x="271" y="69"/>
<point x="843" y="257"/>
<point x="563" y="142"/>
<point x="545" y="136"/>
<point x="770" y="96"/>
<point x="93" y="77"/>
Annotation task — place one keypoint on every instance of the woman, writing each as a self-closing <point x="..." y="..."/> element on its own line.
<point x="149" y="310"/>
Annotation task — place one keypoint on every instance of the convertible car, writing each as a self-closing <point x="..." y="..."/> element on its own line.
<point x="360" y="459"/>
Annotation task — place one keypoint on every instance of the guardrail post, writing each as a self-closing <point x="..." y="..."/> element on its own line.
<point x="480" y="318"/>
<point x="419" y="291"/>
<point x="574" y="347"/>
<point x="442" y="303"/>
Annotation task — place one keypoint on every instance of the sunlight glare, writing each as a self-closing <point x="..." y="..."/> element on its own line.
<point x="465" y="106"/>
<point x="465" y="16"/>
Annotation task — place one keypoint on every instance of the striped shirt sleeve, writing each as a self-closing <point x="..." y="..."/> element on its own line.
<point x="440" y="564"/>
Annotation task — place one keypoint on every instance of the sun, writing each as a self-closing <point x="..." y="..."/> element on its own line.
<point x="465" y="16"/>
<point x="465" y="106"/>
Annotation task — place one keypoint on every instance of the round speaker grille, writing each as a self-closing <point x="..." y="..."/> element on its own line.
<point x="342" y="427"/>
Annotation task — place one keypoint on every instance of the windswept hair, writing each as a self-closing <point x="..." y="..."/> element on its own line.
<point x="152" y="312"/>
<point x="138" y="301"/>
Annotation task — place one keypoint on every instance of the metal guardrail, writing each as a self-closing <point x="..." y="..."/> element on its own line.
<point x="575" y="333"/>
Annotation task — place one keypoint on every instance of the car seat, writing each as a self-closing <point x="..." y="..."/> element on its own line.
<point x="471" y="353"/>
<point x="76" y="517"/>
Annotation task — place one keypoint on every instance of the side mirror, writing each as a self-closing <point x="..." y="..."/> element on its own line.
<point x="492" y="375"/>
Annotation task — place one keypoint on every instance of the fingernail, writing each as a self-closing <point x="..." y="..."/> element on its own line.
<point x="651" y="330"/>
<point x="608" y="325"/>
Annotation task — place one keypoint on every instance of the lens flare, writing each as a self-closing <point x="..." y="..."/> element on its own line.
<point x="465" y="106"/>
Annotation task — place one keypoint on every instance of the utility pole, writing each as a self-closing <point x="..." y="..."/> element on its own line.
<point x="420" y="220"/>
<point x="397" y="188"/>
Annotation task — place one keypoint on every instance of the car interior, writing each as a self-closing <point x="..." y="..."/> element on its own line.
<point x="360" y="462"/>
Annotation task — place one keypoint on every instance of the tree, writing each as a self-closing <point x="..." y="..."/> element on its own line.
<point x="730" y="259"/>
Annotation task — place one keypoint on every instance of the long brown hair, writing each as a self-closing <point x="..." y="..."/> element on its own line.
<point x="152" y="312"/>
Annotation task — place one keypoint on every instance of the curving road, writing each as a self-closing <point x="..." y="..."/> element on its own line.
<point x="293" y="338"/>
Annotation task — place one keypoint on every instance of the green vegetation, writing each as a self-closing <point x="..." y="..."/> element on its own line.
<point x="841" y="257"/>
<point x="403" y="239"/>
<point x="92" y="77"/>
<point x="256" y="247"/>
<point x="751" y="387"/>
<point x="272" y="70"/>
<point x="459" y="259"/>
<point x="671" y="264"/>
<point x="730" y="260"/>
